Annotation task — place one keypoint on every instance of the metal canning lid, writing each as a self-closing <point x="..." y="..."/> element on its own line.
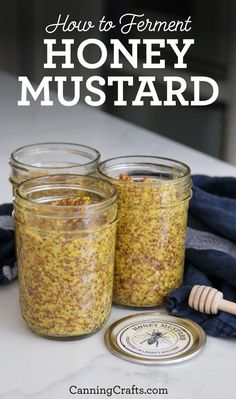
<point x="155" y="338"/>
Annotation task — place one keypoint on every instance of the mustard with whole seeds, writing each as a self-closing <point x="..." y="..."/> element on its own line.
<point x="65" y="267"/>
<point x="150" y="241"/>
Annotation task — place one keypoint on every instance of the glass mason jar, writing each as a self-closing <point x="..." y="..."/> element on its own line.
<point x="154" y="195"/>
<point x="65" y="237"/>
<point x="52" y="158"/>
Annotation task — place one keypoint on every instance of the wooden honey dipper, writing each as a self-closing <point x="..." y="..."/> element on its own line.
<point x="209" y="300"/>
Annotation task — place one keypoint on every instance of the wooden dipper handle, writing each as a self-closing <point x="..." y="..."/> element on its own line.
<point x="209" y="300"/>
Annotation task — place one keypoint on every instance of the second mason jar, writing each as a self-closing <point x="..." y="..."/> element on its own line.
<point x="65" y="236"/>
<point x="154" y="195"/>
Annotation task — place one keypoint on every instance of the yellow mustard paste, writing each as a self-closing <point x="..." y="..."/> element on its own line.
<point x="150" y="241"/>
<point x="66" y="276"/>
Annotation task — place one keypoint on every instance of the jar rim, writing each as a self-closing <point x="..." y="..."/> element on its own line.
<point x="14" y="160"/>
<point x="106" y="201"/>
<point x="186" y="169"/>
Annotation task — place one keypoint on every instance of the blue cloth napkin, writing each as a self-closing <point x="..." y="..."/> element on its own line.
<point x="210" y="252"/>
<point x="8" y="269"/>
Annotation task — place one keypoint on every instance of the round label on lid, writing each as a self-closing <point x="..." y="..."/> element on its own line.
<point x="155" y="338"/>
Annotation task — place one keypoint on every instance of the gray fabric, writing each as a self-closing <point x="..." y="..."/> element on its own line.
<point x="202" y="240"/>
<point x="6" y="222"/>
<point x="10" y="272"/>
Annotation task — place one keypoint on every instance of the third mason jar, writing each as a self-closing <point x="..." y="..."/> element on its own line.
<point x="154" y="195"/>
<point x="43" y="159"/>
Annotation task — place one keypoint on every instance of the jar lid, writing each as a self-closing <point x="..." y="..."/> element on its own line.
<point x="155" y="338"/>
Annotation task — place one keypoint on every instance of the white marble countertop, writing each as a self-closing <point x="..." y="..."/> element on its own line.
<point x="33" y="367"/>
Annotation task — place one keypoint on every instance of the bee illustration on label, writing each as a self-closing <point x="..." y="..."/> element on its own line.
<point x="155" y="337"/>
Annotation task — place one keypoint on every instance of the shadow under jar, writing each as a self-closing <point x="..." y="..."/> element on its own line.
<point x="65" y="236"/>
<point x="51" y="158"/>
<point x="153" y="202"/>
